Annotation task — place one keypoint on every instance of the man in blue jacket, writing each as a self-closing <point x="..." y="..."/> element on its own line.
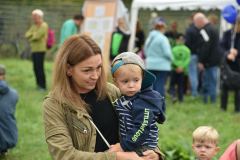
<point x="8" y="127"/>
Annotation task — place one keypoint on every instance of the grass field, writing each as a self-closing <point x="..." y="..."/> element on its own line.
<point x="175" y="134"/>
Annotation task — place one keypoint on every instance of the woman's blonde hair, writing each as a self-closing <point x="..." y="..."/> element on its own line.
<point x="73" y="51"/>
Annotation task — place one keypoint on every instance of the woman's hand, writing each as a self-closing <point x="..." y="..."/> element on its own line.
<point x="148" y="155"/>
<point x="232" y="54"/>
<point x="128" y="156"/>
<point x="115" y="148"/>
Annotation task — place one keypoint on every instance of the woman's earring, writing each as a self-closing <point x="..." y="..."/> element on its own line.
<point x="69" y="74"/>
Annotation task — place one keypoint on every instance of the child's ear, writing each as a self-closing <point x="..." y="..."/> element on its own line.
<point x="217" y="149"/>
<point x="194" y="149"/>
<point x="192" y="146"/>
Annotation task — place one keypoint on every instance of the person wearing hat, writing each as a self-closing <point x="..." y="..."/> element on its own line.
<point x="139" y="107"/>
<point x="8" y="127"/>
<point x="37" y="37"/>
<point x="158" y="55"/>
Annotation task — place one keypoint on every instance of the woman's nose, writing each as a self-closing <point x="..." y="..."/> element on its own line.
<point x="95" y="75"/>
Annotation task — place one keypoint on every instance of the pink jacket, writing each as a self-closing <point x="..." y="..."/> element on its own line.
<point x="231" y="152"/>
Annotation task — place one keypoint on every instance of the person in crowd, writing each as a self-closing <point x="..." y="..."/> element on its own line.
<point x="191" y="41"/>
<point x="233" y="60"/>
<point x="158" y="54"/>
<point x="8" y="126"/>
<point x="79" y="99"/>
<point x="71" y="27"/>
<point x="120" y="39"/>
<point x="209" y="56"/>
<point x="172" y="33"/>
<point x="181" y="54"/>
<point x="152" y="21"/>
<point x="140" y="38"/>
<point x="232" y="152"/>
<point x="139" y="107"/>
<point x="205" y="142"/>
<point x="37" y="36"/>
<point x="214" y="20"/>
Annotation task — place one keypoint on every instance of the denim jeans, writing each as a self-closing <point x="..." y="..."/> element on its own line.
<point x="161" y="78"/>
<point x="209" y="84"/>
<point x="193" y="74"/>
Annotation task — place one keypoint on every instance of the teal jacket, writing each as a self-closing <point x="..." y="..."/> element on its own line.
<point x="181" y="56"/>
<point x="68" y="28"/>
<point x="158" y="52"/>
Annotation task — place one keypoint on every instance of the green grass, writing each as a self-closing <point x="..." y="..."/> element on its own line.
<point x="175" y="134"/>
<point x="31" y="144"/>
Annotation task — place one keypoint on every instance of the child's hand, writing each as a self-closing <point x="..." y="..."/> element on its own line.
<point x="115" y="148"/>
<point x="179" y="70"/>
<point x="201" y="66"/>
<point x="150" y="155"/>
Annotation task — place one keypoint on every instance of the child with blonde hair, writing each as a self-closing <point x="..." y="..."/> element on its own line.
<point x="139" y="108"/>
<point x="205" y="142"/>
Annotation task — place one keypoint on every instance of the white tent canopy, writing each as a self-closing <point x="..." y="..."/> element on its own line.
<point x="173" y="5"/>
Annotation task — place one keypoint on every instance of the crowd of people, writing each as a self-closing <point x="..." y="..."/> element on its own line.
<point x="86" y="117"/>
<point x="192" y="59"/>
<point x="196" y="57"/>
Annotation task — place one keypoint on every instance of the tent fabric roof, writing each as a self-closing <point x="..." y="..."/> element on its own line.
<point x="173" y="5"/>
<point x="182" y="4"/>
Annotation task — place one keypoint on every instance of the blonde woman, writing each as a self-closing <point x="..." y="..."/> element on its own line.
<point x="79" y="117"/>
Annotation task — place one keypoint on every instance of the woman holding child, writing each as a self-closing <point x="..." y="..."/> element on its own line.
<point x="79" y="105"/>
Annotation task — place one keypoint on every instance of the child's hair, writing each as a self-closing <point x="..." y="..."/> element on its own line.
<point x="130" y="67"/>
<point x="205" y="133"/>
<point x="179" y="35"/>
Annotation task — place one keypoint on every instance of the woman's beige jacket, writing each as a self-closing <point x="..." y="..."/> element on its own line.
<point x="69" y="133"/>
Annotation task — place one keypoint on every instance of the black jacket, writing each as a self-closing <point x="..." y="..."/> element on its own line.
<point x="226" y="45"/>
<point x="192" y="38"/>
<point x="209" y="51"/>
